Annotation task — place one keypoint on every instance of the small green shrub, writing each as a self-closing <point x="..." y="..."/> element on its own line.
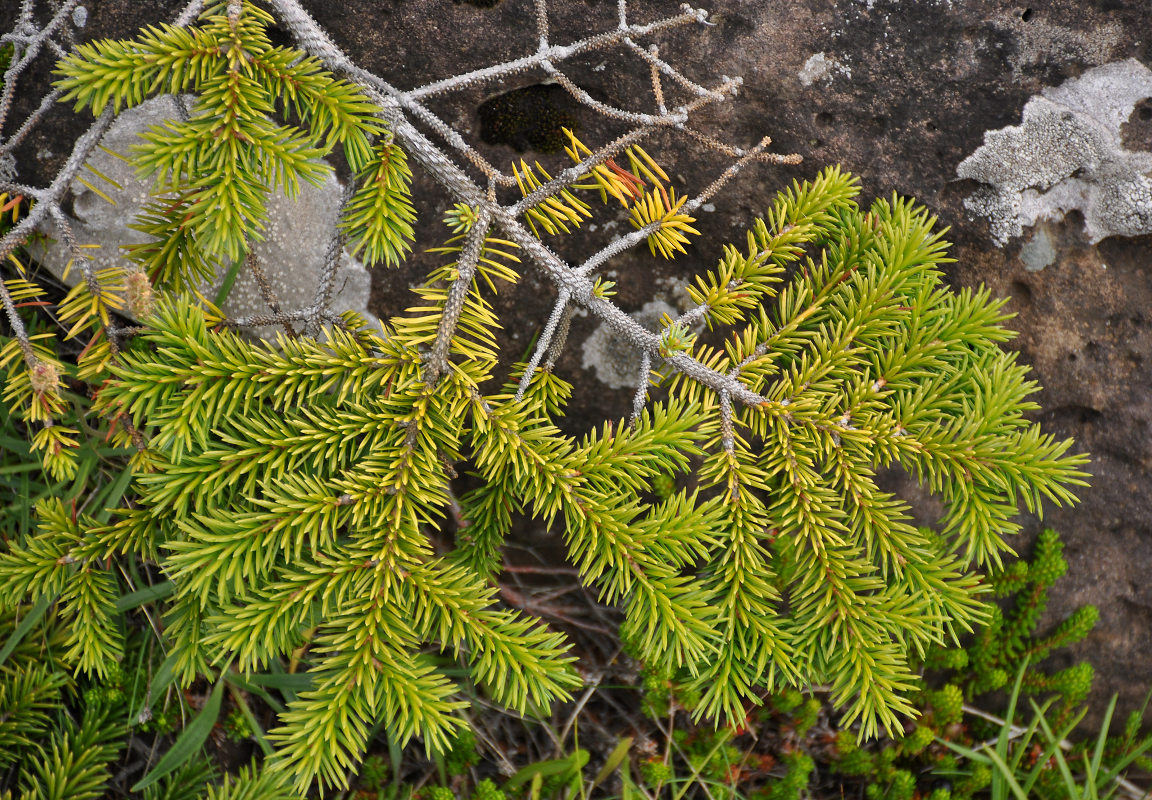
<point x="1009" y="643"/>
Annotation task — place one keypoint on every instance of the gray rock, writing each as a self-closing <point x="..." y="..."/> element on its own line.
<point x="296" y="234"/>
<point x="611" y="358"/>
<point x="1038" y="252"/>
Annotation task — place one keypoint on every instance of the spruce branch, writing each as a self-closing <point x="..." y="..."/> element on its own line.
<point x="29" y="700"/>
<point x="295" y="493"/>
<point x="76" y="765"/>
<point x="572" y="174"/>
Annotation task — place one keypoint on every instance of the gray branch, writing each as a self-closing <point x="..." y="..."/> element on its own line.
<point x="454" y="304"/>
<point x="559" y="312"/>
<point x="453" y="179"/>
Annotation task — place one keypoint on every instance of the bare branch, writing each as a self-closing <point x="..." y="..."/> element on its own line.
<point x="657" y="89"/>
<point x="561" y="337"/>
<point x="542" y="22"/>
<point x="266" y="290"/>
<point x="559" y="312"/>
<point x="552" y="53"/>
<point x="323" y="296"/>
<point x="665" y="68"/>
<point x="10" y="144"/>
<point x="678" y="116"/>
<point x="454" y="305"/>
<point x="727" y="434"/>
<point x="27" y="40"/>
<point x="640" y="398"/>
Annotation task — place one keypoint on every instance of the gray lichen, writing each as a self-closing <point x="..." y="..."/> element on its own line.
<point x="822" y="67"/>
<point x="1039" y="42"/>
<point x="1067" y="154"/>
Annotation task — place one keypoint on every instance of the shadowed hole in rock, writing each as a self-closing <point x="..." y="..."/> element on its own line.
<point x="1021" y="293"/>
<point x="1136" y="132"/>
<point x="1072" y="414"/>
<point x="1026" y="15"/>
<point x="529" y="118"/>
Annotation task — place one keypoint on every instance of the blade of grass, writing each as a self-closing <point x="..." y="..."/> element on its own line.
<point x="190" y="741"/>
<point x="548" y="769"/>
<point x="1053" y="750"/>
<point x="87" y="463"/>
<point x="30" y="619"/>
<point x="226" y="284"/>
<point x="696" y="767"/>
<point x="1101" y="742"/>
<point x="254" y="687"/>
<point x="1113" y="773"/>
<point x="615" y="758"/>
<point x="149" y="594"/>
<point x="27" y="466"/>
<point x="109" y="497"/>
<point x="1005" y="772"/>
<point x="282" y="681"/>
<point x="162" y="678"/>
<point x="1004" y="738"/>
<point x="253" y="724"/>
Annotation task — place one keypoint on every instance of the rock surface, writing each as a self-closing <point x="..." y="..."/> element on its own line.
<point x="900" y="93"/>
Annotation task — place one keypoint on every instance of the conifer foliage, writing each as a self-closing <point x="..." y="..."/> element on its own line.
<point x="292" y="492"/>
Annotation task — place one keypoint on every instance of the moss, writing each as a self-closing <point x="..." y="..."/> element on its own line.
<point x="528" y="118"/>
